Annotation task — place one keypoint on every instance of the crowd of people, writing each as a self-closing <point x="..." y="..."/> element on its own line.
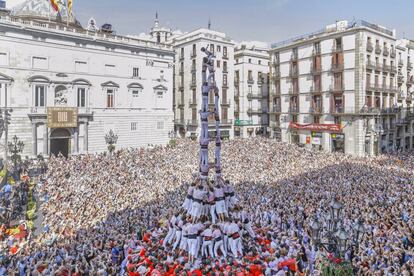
<point x="118" y="214"/>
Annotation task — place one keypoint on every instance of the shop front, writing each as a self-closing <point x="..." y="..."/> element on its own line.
<point x="338" y="142"/>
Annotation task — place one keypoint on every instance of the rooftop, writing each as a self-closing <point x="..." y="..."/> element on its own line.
<point x="337" y="27"/>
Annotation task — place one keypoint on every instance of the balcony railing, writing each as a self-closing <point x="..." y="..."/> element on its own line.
<point x="370" y="65"/>
<point x="386" y="52"/>
<point x="193" y="69"/>
<point x="337" y="48"/>
<point x="371" y="87"/>
<point x="315" y="89"/>
<point x="180" y="103"/>
<point x="193" y="54"/>
<point x="179" y="121"/>
<point x="254" y="96"/>
<point x="409" y="66"/>
<point x="225" y="56"/>
<point x="225" y="102"/>
<point x="400" y="79"/>
<point x="378" y="66"/>
<point x="316" y="51"/>
<point x="181" y="58"/>
<point x="276" y="75"/>
<point x="294" y="57"/>
<point x="400" y="63"/>
<point x="225" y="70"/>
<point x="236" y="82"/>
<point x="193" y="84"/>
<point x="337" y="110"/>
<point x="377" y="49"/>
<point x="254" y="111"/>
<point x="337" y="88"/>
<point x="294" y="72"/>
<point x="226" y="122"/>
<point x="316" y="70"/>
<point x="370" y="47"/>
<point x="393" y="53"/>
<point x="337" y="67"/>
<point x="293" y="91"/>
<point x="294" y="109"/>
<point x="276" y="109"/>
<point x="315" y="109"/>
<point x="250" y="80"/>
<point x="192" y="102"/>
<point x="192" y="123"/>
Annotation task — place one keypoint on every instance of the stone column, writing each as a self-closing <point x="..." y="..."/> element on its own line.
<point x="45" y="140"/>
<point x="85" y="138"/>
<point x="34" y="139"/>
<point x="75" y="149"/>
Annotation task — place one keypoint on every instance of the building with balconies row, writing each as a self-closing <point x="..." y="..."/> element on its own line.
<point x="188" y="82"/>
<point x="68" y="86"/>
<point x="251" y="89"/>
<point x="337" y="89"/>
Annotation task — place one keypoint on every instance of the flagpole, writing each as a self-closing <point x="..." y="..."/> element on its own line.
<point x="49" y="8"/>
<point x="67" y="13"/>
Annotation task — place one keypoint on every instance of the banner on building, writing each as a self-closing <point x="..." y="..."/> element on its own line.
<point x="316" y="127"/>
<point x="62" y="117"/>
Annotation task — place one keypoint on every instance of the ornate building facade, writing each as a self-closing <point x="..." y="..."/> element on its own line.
<point x="68" y="86"/>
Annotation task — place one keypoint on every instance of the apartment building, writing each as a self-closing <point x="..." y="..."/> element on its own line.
<point x="336" y="89"/>
<point x="251" y="89"/>
<point x="188" y="83"/>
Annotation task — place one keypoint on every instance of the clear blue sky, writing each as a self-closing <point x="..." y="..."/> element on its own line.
<point x="264" y="20"/>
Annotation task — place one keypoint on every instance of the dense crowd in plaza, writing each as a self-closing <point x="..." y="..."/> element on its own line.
<point x="121" y="214"/>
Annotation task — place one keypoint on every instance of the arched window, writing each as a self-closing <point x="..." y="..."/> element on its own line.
<point x="158" y="37"/>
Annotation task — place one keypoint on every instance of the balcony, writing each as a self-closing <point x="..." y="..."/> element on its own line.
<point x="390" y="110"/>
<point x="181" y="58"/>
<point x="370" y="65"/>
<point x="254" y="111"/>
<point x="400" y="79"/>
<point x="293" y="91"/>
<point x="236" y="82"/>
<point x="179" y="121"/>
<point x="371" y="87"/>
<point x="386" y="52"/>
<point x="337" y="110"/>
<point x="193" y="69"/>
<point x="293" y="109"/>
<point x="276" y="109"/>
<point x="193" y="84"/>
<point x="225" y="85"/>
<point x="38" y="110"/>
<point x="192" y="123"/>
<point x="316" y="70"/>
<point x="225" y="70"/>
<point x="336" y="88"/>
<point x="276" y="75"/>
<point x="337" y="48"/>
<point x="377" y="49"/>
<point x="181" y="72"/>
<point x="315" y="89"/>
<point x="225" y="56"/>
<point x="294" y="72"/>
<point x="254" y="96"/>
<point x="393" y="53"/>
<point x="250" y="80"/>
<point x="335" y="68"/>
<point x="236" y="93"/>
<point x="315" y="110"/>
<point x="370" y="47"/>
<point x="409" y="66"/>
<point x="294" y="57"/>
<point x="192" y="103"/>
<point x="226" y="122"/>
<point x="400" y="63"/>
<point x="378" y="66"/>
<point x="193" y="54"/>
<point x="180" y="87"/>
<point x="225" y="102"/>
<point x="393" y="69"/>
<point x="180" y="104"/>
<point x="401" y="122"/>
<point x="386" y="68"/>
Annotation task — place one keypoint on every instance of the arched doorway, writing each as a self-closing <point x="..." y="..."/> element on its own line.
<point x="60" y="141"/>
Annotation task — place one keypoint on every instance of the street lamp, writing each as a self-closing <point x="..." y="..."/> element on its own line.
<point x="15" y="147"/>
<point x="111" y="138"/>
<point x="331" y="235"/>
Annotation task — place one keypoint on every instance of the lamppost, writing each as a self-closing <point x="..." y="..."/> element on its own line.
<point x="111" y="138"/>
<point x="330" y="233"/>
<point x="172" y="135"/>
<point x="15" y="147"/>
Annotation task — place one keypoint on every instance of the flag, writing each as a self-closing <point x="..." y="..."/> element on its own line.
<point x="70" y="2"/>
<point x="55" y="5"/>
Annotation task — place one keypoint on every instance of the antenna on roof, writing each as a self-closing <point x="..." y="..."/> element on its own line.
<point x="209" y="23"/>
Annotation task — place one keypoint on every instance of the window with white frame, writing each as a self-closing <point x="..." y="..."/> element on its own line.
<point x="40" y="95"/>
<point x="134" y="126"/>
<point x="135" y="72"/>
<point x="81" y="97"/>
<point x="135" y="93"/>
<point x="160" y="94"/>
<point x="160" y="125"/>
<point x="39" y="63"/>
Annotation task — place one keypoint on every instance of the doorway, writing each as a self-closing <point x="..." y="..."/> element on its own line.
<point x="60" y="142"/>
